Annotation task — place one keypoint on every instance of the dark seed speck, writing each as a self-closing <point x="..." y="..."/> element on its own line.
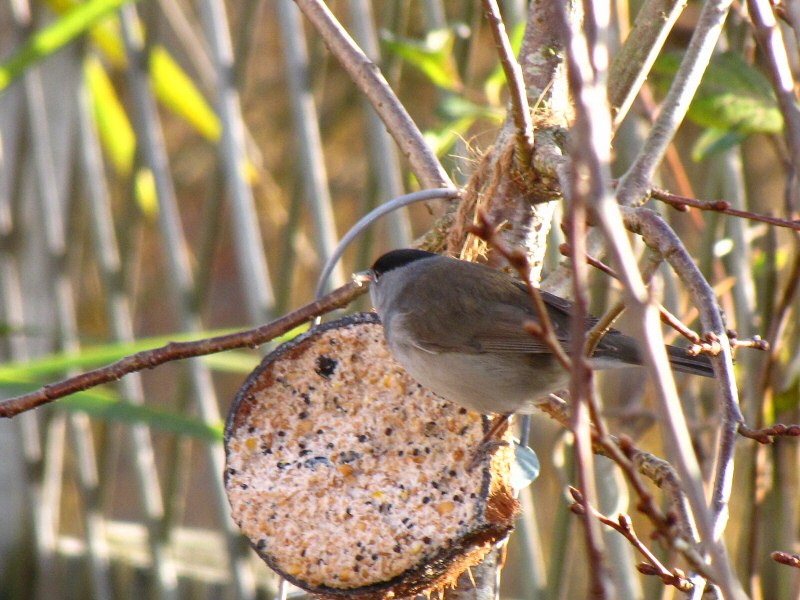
<point x="326" y="366"/>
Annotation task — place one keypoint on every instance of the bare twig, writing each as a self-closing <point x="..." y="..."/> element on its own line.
<point x="369" y="79"/>
<point x="756" y="342"/>
<point x="615" y="311"/>
<point x="520" y="109"/>
<point x="180" y="350"/>
<point x="676" y="527"/>
<point x="624" y="526"/>
<point x="767" y="435"/>
<point x="792" y="560"/>
<point x="722" y="206"/>
<point x="659" y="236"/>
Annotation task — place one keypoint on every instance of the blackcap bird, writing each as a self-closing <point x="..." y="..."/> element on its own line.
<point x="458" y="328"/>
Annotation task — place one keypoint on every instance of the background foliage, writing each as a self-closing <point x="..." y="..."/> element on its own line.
<point x="169" y="169"/>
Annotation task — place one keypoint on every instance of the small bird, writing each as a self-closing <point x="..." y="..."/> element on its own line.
<point x="458" y="328"/>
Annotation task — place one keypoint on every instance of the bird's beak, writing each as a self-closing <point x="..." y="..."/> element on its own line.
<point x="364" y="277"/>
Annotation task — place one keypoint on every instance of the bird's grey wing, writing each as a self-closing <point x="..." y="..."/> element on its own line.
<point x="498" y="327"/>
<point x="504" y="331"/>
<point x="501" y="329"/>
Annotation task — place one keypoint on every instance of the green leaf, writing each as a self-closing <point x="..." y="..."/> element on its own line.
<point x="175" y="89"/>
<point x="106" y="34"/>
<point x="109" y="408"/>
<point x="55" y="36"/>
<point x="457" y="107"/>
<point x="713" y="141"/>
<point x="105" y="404"/>
<point x="94" y="356"/>
<point x="733" y="96"/>
<point x="433" y="56"/>
<point x="459" y="114"/>
<point x="116" y="132"/>
<point x="232" y="362"/>
<point x="443" y="138"/>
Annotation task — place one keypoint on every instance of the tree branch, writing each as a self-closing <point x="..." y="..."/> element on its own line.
<point x="660" y="237"/>
<point x="180" y="350"/>
<point x="520" y="109"/>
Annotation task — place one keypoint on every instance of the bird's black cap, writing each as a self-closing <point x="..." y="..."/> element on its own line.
<point x="398" y="258"/>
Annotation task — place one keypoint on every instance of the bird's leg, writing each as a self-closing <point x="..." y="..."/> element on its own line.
<point x="491" y="441"/>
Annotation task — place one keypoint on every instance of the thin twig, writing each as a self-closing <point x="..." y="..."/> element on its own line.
<point x="624" y="526"/>
<point x="660" y="237"/>
<point x="607" y="320"/>
<point x="520" y="110"/>
<point x="722" y="206"/>
<point x="756" y="342"/>
<point x="767" y="435"/>
<point x="148" y="359"/>
<point x="587" y="184"/>
<point x="792" y="560"/>
<point x="676" y="527"/>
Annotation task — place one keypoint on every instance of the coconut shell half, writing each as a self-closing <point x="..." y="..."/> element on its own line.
<point x="350" y="479"/>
